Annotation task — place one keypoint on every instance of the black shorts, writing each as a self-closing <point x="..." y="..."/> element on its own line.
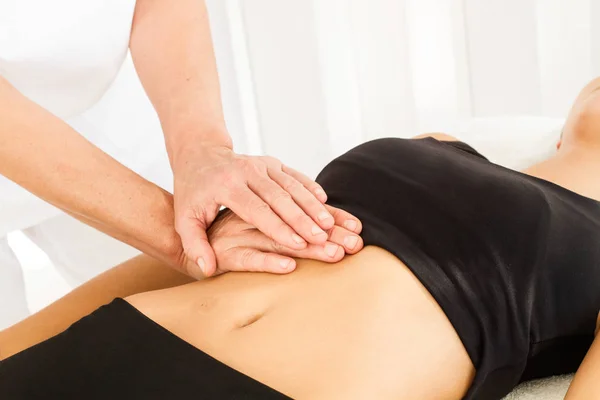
<point x="118" y="353"/>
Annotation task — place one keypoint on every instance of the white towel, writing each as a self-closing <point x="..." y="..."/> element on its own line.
<point x="553" y="388"/>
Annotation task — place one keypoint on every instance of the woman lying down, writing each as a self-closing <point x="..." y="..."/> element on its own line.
<point x="473" y="278"/>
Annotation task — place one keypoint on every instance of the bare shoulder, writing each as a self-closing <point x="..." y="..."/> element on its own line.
<point x="438" y="136"/>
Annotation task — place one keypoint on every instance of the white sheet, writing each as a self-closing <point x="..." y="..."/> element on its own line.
<point x="514" y="142"/>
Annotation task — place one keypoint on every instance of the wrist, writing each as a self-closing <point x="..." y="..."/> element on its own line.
<point x="183" y="141"/>
<point x="164" y="243"/>
<point x="198" y="153"/>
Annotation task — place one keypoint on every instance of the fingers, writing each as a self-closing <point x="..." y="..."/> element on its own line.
<point x="197" y="247"/>
<point x="274" y="254"/>
<point x="233" y="246"/>
<point x="251" y="250"/>
<point x="303" y="198"/>
<point x="308" y="183"/>
<point x="351" y="242"/>
<point x="345" y="219"/>
<point x="254" y="260"/>
<point x="284" y="205"/>
<point x="251" y="208"/>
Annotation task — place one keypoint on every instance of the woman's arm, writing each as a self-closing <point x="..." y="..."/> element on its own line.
<point x="47" y="157"/>
<point x="172" y="50"/>
<point x="173" y="54"/>
<point x="140" y="274"/>
<point x="586" y="384"/>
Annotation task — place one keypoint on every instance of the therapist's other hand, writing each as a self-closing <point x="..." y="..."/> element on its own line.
<point x="282" y="203"/>
<point x="241" y="247"/>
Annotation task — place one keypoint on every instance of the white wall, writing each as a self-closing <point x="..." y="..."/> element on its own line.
<point x="306" y="80"/>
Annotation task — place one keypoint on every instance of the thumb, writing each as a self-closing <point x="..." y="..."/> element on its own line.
<point x="197" y="248"/>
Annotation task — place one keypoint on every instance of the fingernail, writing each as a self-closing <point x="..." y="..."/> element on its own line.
<point x="323" y="215"/>
<point x="321" y="193"/>
<point x="202" y="265"/>
<point x="350" y="224"/>
<point x="285" y="264"/>
<point x="331" y="249"/>
<point x="298" y="239"/>
<point x="317" y="231"/>
<point x="350" y="242"/>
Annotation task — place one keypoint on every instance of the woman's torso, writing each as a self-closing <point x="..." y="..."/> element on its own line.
<point x="509" y="258"/>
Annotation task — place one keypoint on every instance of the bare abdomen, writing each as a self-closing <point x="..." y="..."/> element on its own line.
<point x="362" y="328"/>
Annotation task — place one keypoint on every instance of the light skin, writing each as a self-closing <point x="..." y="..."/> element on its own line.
<point x="172" y="52"/>
<point x="369" y="302"/>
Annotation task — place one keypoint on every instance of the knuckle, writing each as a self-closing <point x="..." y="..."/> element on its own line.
<point x="248" y="166"/>
<point x="311" y="186"/>
<point x="281" y="228"/>
<point x="277" y="247"/>
<point x="261" y="260"/>
<point x="257" y="211"/>
<point x="230" y="180"/>
<point x="246" y="258"/>
<point x="281" y="198"/>
<point x="272" y="161"/>
<point x="228" y="257"/>
<point x="241" y="163"/>
<point x="260" y="207"/>
<point x="301" y="219"/>
<point x="260" y="168"/>
<point x="218" y="244"/>
<point x="236" y="195"/>
<point x="335" y="212"/>
<point x="275" y="230"/>
<point x="291" y="185"/>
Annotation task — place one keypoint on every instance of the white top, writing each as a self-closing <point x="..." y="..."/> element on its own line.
<point x="64" y="55"/>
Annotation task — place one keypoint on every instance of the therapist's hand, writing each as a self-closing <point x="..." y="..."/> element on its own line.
<point x="282" y="203"/>
<point x="241" y="247"/>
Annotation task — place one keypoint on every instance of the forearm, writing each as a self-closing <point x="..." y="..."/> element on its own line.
<point x="141" y="274"/>
<point x="586" y="384"/>
<point x="173" y="54"/>
<point x="48" y="158"/>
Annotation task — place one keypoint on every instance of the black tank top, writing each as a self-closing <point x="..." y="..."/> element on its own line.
<point x="513" y="260"/>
